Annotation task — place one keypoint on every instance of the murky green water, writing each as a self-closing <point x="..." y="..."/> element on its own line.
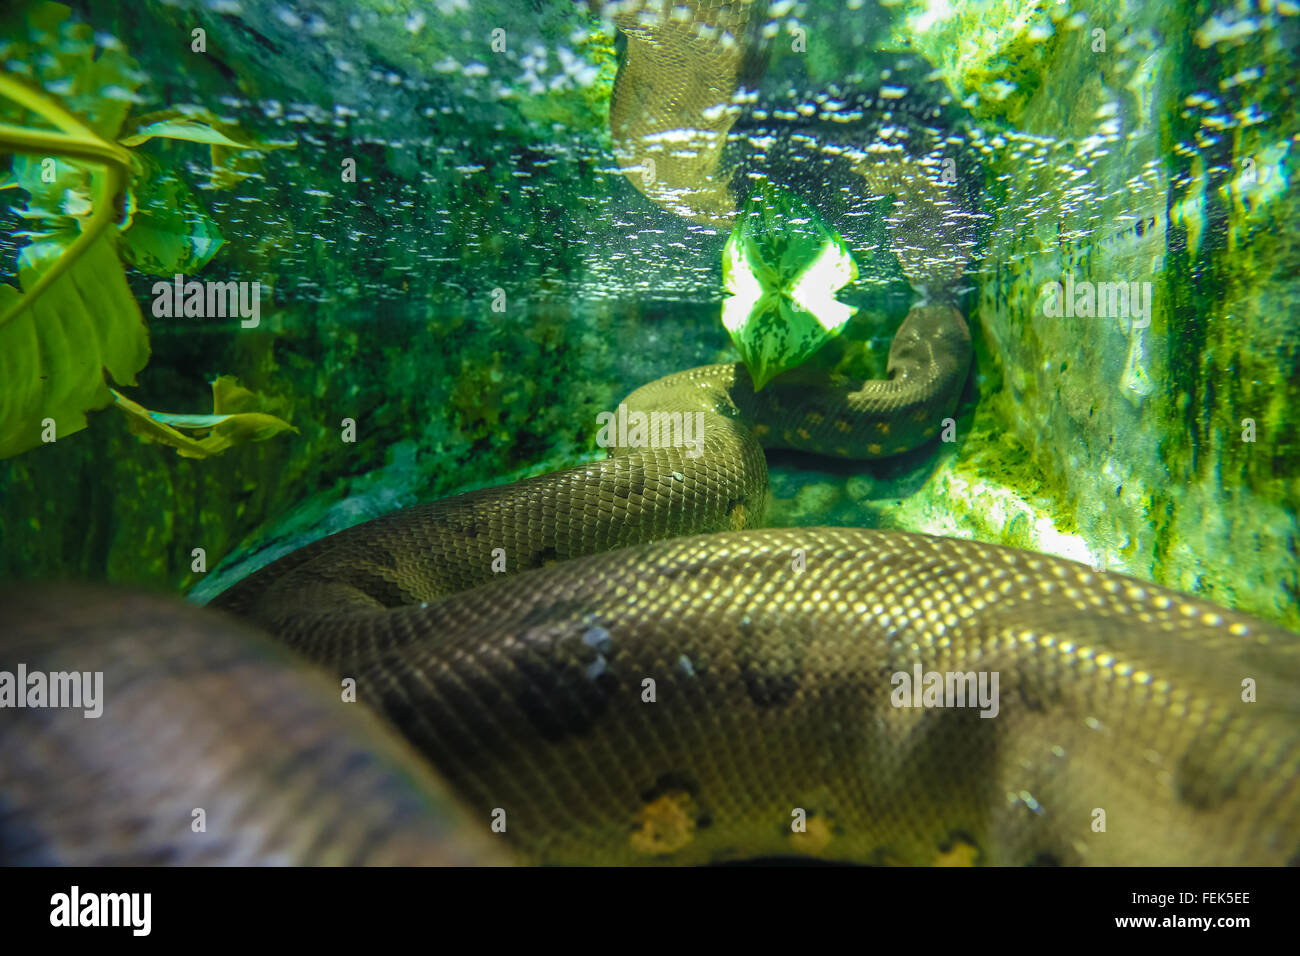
<point x="452" y="256"/>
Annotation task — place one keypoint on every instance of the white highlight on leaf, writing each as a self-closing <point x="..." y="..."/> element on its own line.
<point x="740" y="281"/>
<point x="814" y="290"/>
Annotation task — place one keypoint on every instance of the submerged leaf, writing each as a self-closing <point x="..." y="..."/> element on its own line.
<point x="235" y="154"/>
<point x="94" y="82"/>
<point x="229" y="397"/>
<point x="169" y="231"/>
<point x="55" y="349"/>
<point x="781" y="268"/>
<point x="224" y="430"/>
<point x="195" y="126"/>
<point x="75" y="317"/>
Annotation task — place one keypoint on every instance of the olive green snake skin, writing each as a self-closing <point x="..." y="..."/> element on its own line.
<point x="613" y="664"/>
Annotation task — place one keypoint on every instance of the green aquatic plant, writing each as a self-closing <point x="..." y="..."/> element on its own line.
<point x="234" y="421"/>
<point x="89" y="197"/>
<point x="781" y="268"/>
<point x="75" y="316"/>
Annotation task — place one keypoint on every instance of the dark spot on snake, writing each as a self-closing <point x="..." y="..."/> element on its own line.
<point x="1044" y="859"/>
<point x="1029" y="696"/>
<point x="671" y="782"/>
<point x="770" y="665"/>
<point x="1203" y="779"/>
<point x="539" y="558"/>
<point x="885" y="855"/>
<point x="461" y="522"/>
<point x="558" y="696"/>
<point x="373" y="583"/>
<point x="956" y="838"/>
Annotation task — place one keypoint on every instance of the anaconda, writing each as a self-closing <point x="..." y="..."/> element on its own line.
<point x="614" y="664"/>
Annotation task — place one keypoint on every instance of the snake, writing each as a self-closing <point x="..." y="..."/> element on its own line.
<point x="617" y="663"/>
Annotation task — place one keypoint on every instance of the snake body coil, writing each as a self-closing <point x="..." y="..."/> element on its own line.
<point x="772" y="655"/>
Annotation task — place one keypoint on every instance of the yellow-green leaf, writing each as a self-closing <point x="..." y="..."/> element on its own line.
<point x="143" y="423"/>
<point x="235" y="154"/>
<point x="243" y="428"/>
<point x="195" y="126"/>
<point x="224" y="430"/>
<point x="229" y="397"/>
<point x="76" y="319"/>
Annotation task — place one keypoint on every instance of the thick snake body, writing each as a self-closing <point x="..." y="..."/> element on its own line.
<point x="213" y="746"/>
<point x="703" y="698"/>
<point x="772" y="654"/>
<point x="615" y="663"/>
<point x="637" y="495"/>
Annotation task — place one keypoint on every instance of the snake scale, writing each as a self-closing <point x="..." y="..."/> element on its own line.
<point x="654" y="677"/>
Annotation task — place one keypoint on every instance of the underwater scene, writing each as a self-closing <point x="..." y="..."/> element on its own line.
<point x="649" y="432"/>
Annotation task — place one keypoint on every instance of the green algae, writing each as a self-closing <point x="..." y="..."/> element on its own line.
<point x="1163" y="482"/>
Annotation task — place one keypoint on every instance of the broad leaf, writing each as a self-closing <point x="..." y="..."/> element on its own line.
<point x="781" y="268"/>
<point x="74" y="318"/>
<point x="169" y="231"/>
<point x="72" y="322"/>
